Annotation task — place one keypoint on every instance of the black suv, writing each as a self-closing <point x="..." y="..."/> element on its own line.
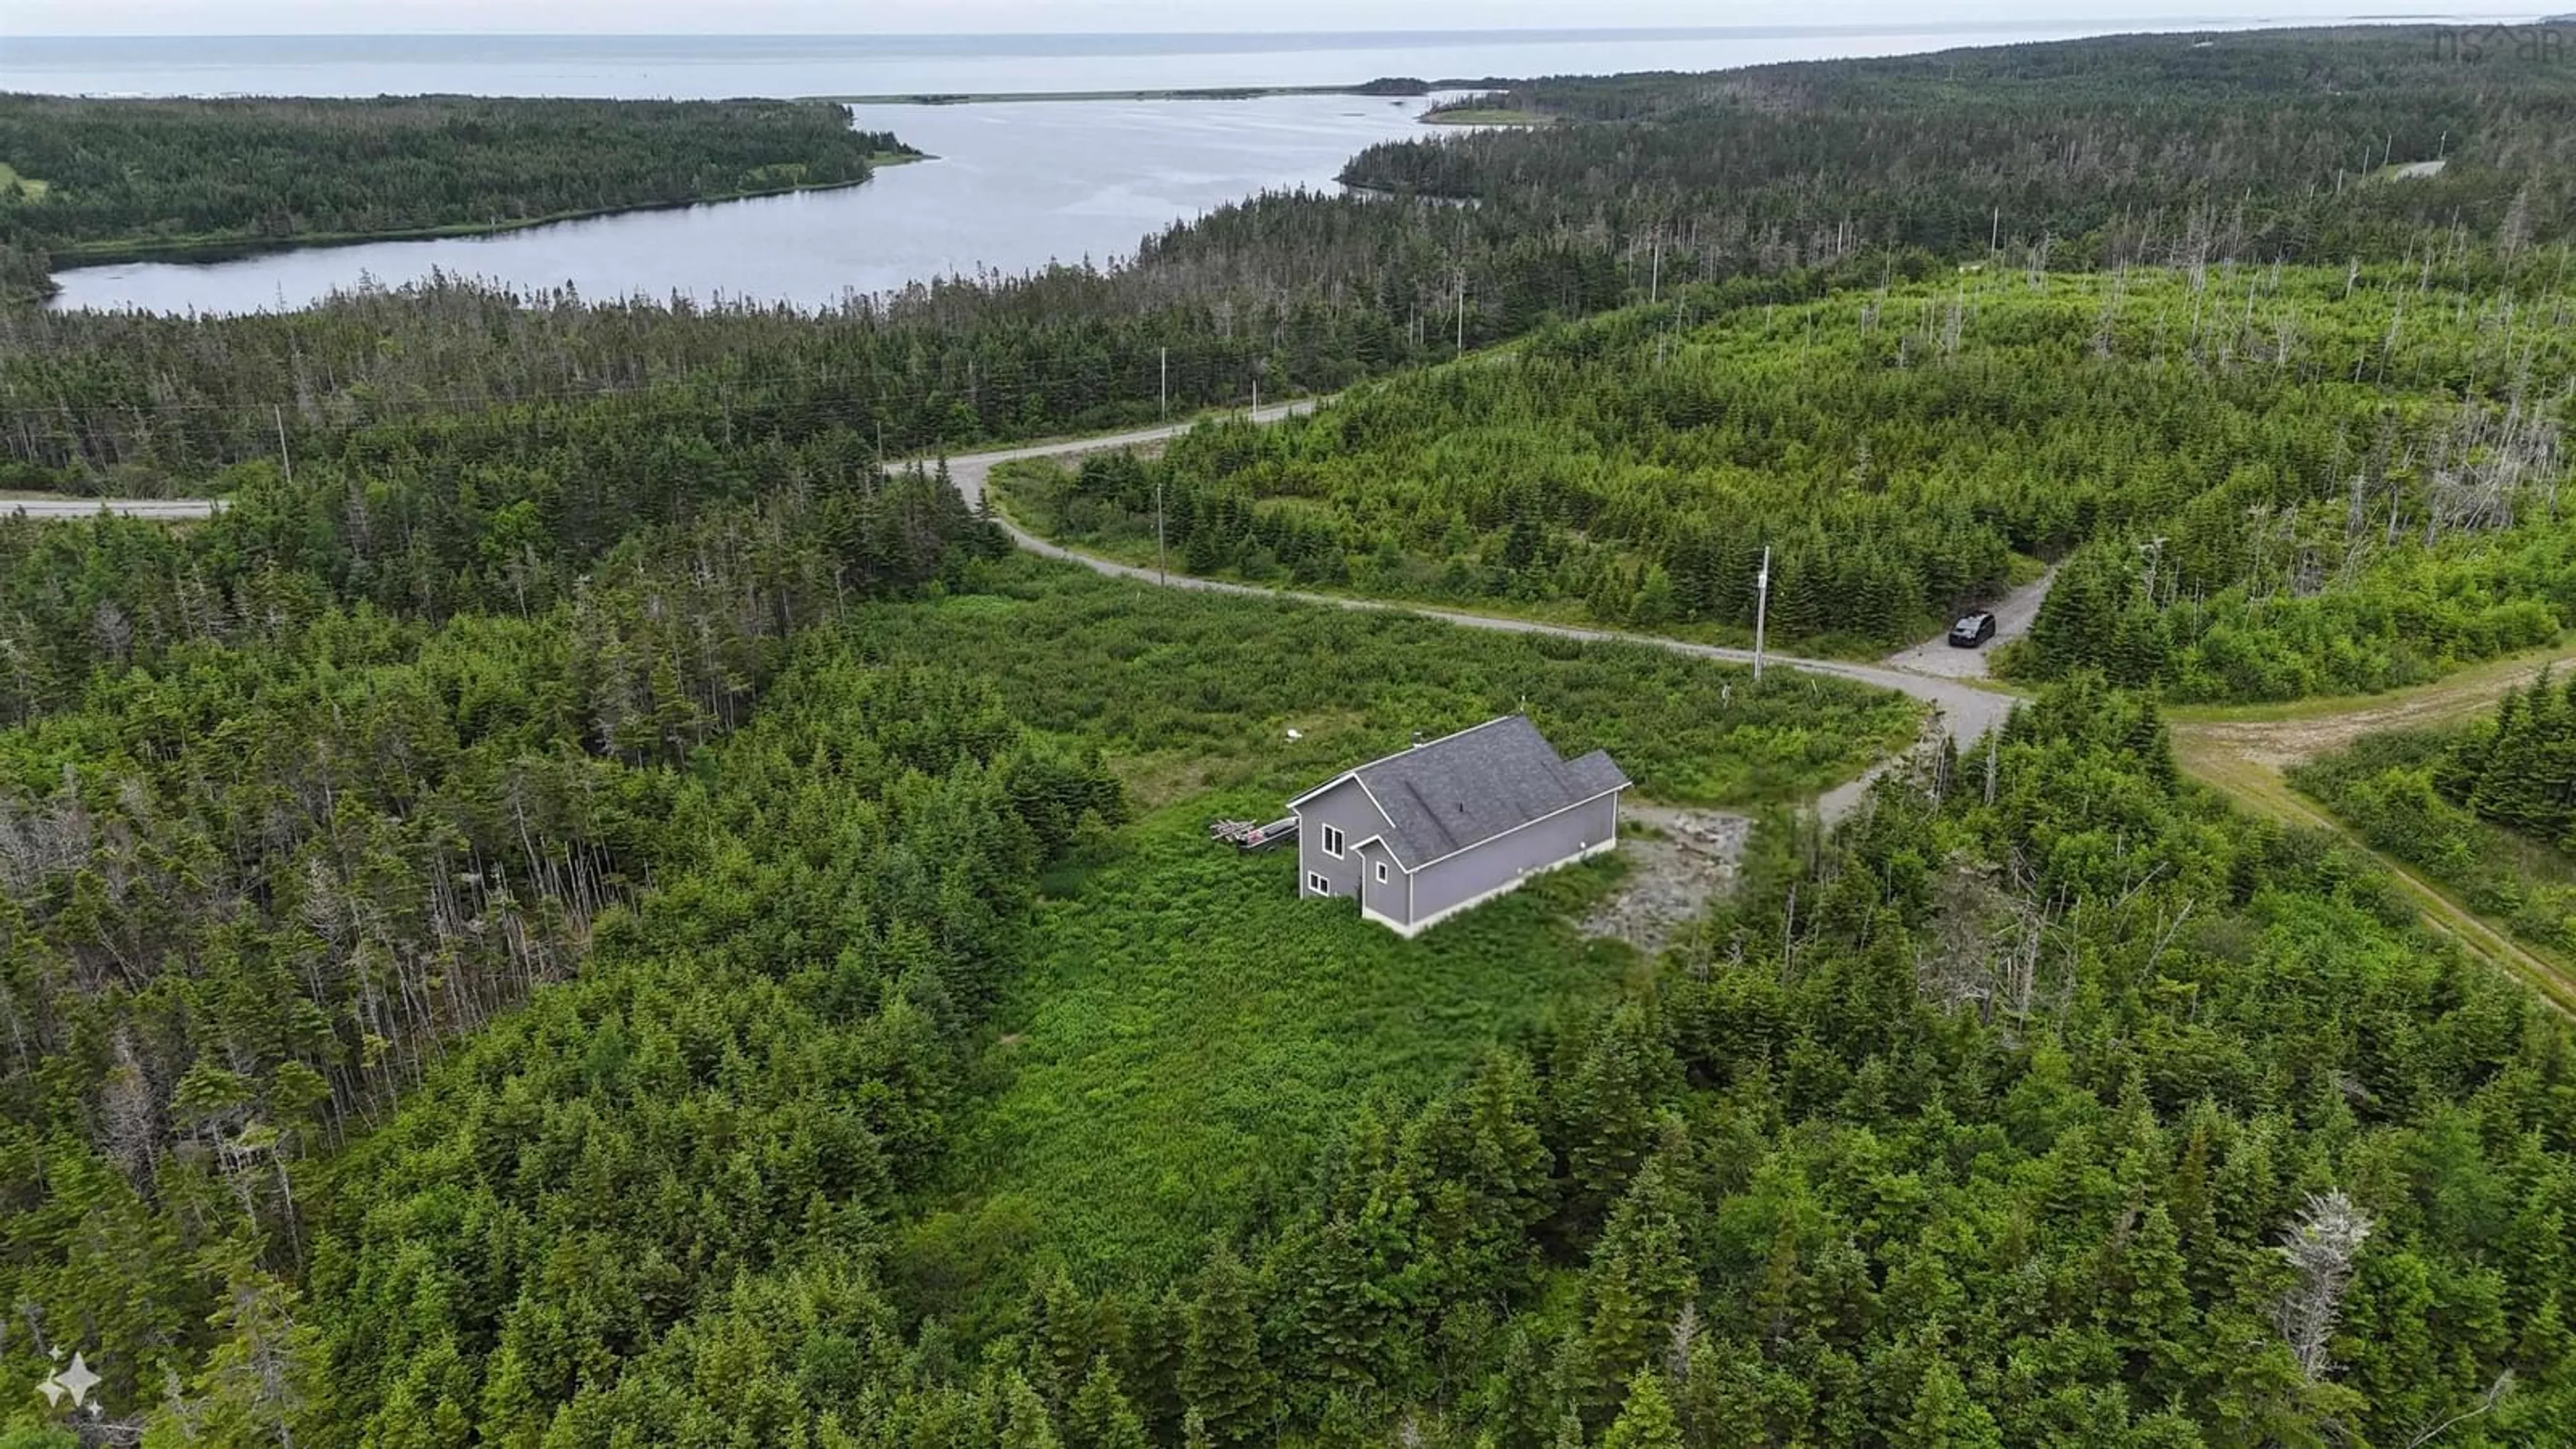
<point x="1972" y="631"/>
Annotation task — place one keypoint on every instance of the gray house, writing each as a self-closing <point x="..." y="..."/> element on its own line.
<point x="1419" y="836"/>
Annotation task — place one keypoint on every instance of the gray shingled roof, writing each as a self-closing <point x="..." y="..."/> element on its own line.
<point x="1463" y="789"/>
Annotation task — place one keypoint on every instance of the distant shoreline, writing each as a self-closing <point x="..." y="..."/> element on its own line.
<point x="1486" y="116"/>
<point x="1376" y="89"/>
<point x="1459" y="112"/>
<point x="221" y="249"/>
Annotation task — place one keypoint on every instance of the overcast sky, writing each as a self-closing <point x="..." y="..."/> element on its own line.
<point x="877" y="17"/>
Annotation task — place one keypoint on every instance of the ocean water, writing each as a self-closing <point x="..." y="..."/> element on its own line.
<point x="716" y="66"/>
<point x="1016" y="185"/>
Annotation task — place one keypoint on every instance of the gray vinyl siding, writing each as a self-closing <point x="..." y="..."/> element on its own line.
<point x="1393" y="899"/>
<point x="1347" y="806"/>
<point x="1512" y="857"/>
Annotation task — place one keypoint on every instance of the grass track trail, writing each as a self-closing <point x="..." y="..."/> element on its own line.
<point x="2242" y="752"/>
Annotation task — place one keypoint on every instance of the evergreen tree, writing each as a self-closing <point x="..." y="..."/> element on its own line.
<point x="1101" y="1417"/>
<point x="1640" y="1277"/>
<point x="1221" y="1375"/>
<point x="1943" y="1416"/>
<point x="1603" y="1104"/>
<point x="1646" y="1420"/>
<point x="1025" y="1423"/>
<point x="2151" y="1308"/>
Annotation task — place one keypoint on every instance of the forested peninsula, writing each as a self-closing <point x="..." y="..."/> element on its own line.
<point x="86" y="180"/>
<point x="585" y="908"/>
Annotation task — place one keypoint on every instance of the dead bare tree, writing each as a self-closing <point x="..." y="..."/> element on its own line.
<point x="1685" y="1337"/>
<point x="2319" y="1245"/>
<point x="2486" y="1403"/>
<point x="2485" y="461"/>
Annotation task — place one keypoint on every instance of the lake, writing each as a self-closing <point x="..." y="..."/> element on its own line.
<point x="1016" y="185"/>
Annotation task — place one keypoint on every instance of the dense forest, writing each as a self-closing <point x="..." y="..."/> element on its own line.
<point x="1858" y="162"/>
<point x="90" y="179"/>
<point x="2051" y="1102"/>
<point x="136" y="403"/>
<point x="2275" y="481"/>
<point x="584" y="910"/>
<point x="2260" y="146"/>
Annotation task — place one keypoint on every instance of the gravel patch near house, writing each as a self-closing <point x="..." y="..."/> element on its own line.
<point x="1689" y="859"/>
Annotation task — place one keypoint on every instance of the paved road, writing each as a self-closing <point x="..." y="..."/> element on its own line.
<point x="129" y="507"/>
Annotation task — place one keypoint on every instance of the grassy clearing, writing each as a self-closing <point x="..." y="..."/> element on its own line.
<point x="2381" y="789"/>
<point x="27" y="187"/>
<point x="1185" y="1030"/>
<point x="1187" y="691"/>
<point x="1190" y="1031"/>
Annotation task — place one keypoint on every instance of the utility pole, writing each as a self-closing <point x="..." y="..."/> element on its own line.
<point x="285" y="459"/>
<point x="1761" y="609"/>
<point x="1167" y="381"/>
<point x="1161" y="575"/>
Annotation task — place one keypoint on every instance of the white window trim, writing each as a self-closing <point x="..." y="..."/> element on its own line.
<point x="1333" y="841"/>
<point x="1316" y="883"/>
<point x="1381" y="872"/>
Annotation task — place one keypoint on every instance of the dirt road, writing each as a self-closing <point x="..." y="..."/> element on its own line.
<point x="976" y="465"/>
<point x="1966" y="711"/>
<point x="171" y="508"/>
<point x="2014" y="614"/>
<point x="2240" y="752"/>
<point x="2279" y="736"/>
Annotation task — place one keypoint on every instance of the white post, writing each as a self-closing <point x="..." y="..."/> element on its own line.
<point x="1761" y="609"/>
<point x="1160" y="575"/>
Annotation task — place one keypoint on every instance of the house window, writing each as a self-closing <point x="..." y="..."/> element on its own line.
<point x="1381" y="872"/>
<point x="1316" y="884"/>
<point x="1333" y="841"/>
